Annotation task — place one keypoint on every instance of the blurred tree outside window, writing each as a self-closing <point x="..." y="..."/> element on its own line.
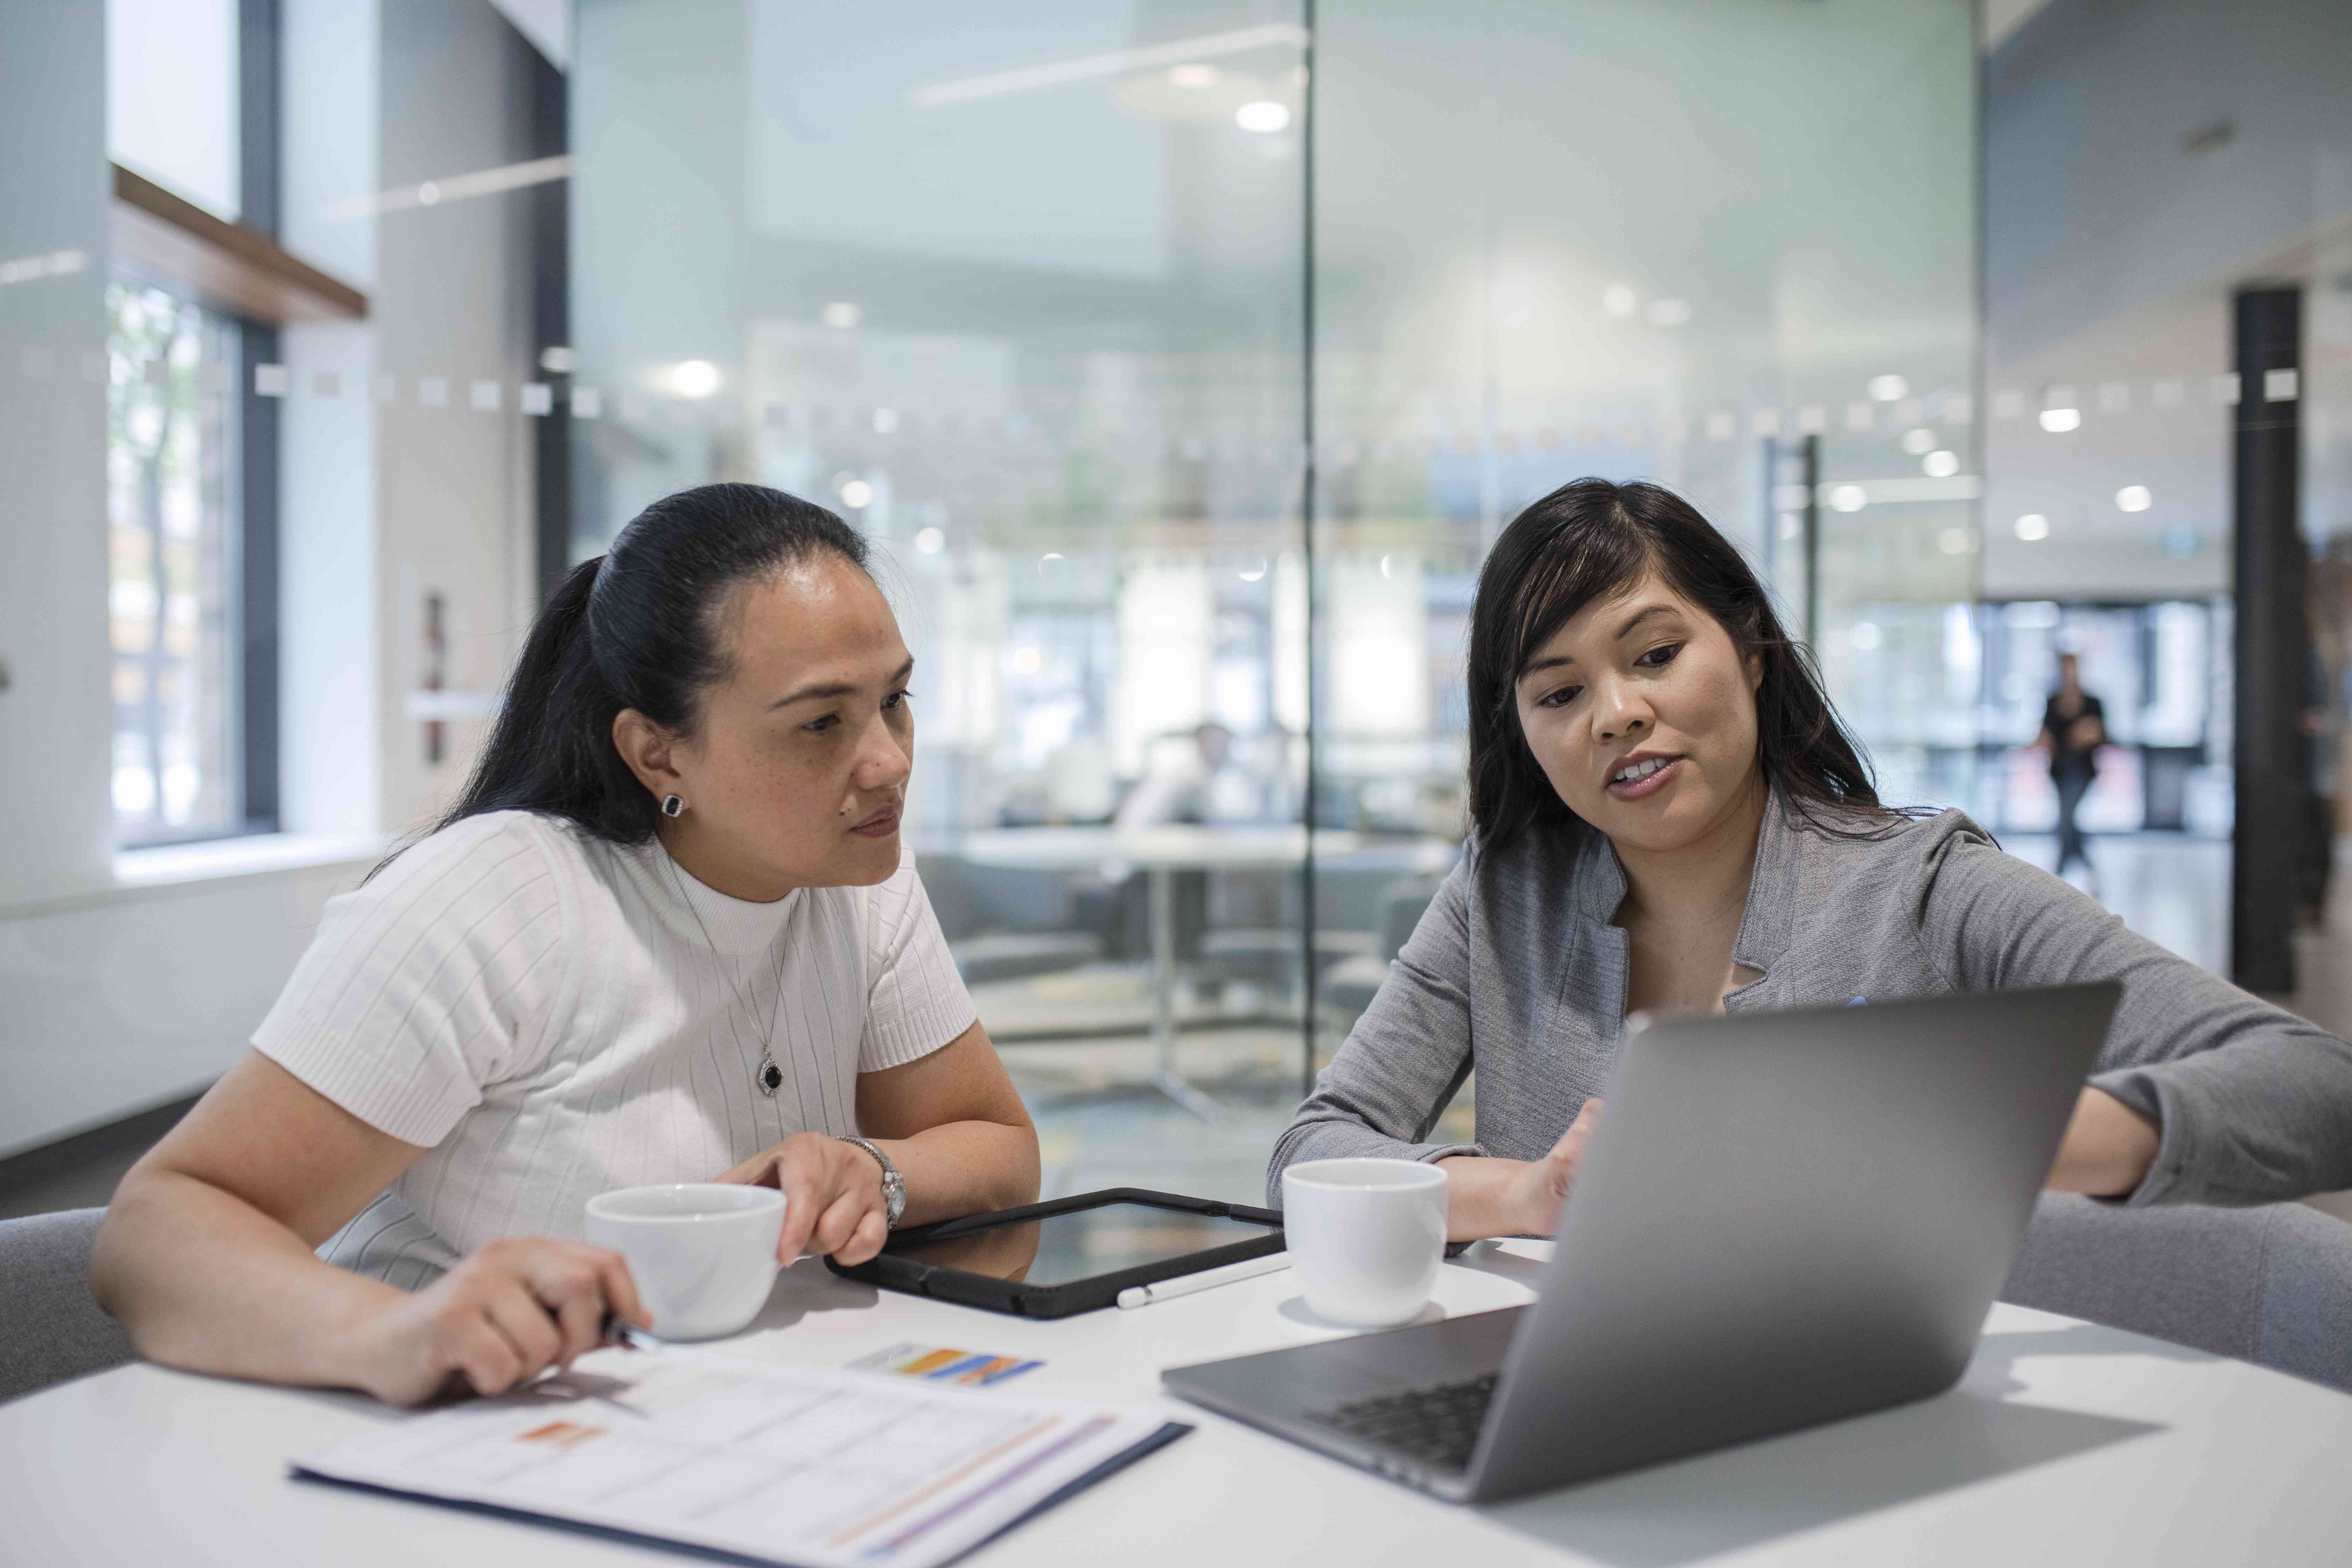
<point x="171" y="598"/>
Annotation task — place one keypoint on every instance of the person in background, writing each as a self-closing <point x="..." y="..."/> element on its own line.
<point x="1186" y="784"/>
<point x="669" y="934"/>
<point x="1668" y="816"/>
<point x="2074" y="728"/>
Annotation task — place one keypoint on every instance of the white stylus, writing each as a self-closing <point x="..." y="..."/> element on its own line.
<point x="1207" y="1279"/>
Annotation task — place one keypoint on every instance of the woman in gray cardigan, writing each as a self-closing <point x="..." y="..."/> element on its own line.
<point x="1668" y="815"/>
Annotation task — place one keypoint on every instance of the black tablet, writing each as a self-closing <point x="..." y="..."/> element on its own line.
<point x="1072" y="1254"/>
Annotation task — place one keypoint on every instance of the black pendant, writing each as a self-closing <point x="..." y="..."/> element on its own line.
<point x="772" y="1078"/>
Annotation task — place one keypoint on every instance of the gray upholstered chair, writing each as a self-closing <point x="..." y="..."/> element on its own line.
<point x="2270" y="1284"/>
<point x="55" y="1329"/>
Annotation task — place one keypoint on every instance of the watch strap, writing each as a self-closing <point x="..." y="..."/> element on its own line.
<point x="894" y="1185"/>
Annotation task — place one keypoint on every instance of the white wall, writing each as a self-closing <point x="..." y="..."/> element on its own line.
<point x="128" y="982"/>
<point x="54" y="813"/>
<point x="137" y="998"/>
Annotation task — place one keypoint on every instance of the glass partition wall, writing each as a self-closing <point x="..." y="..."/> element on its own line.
<point x="1054" y="301"/>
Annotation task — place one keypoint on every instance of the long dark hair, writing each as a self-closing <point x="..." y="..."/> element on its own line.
<point x="638" y="626"/>
<point x="1584" y="543"/>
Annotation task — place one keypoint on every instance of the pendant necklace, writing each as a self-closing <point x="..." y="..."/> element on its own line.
<point x="770" y="1076"/>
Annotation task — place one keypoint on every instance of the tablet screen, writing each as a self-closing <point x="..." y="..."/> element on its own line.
<point x="1080" y="1245"/>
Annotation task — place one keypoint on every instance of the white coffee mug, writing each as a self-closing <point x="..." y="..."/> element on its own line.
<point x="703" y="1253"/>
<point x="1366" y="1237"/>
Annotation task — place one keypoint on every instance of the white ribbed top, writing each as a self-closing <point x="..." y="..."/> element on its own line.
<point x="543" y="1012"/>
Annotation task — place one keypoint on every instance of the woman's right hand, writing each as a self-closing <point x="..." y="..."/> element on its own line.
<point x="508" y="1311"/>
<point x="1515" y="1197"/>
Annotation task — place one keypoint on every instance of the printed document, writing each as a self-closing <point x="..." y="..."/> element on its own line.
<point x="802" y="1466"/>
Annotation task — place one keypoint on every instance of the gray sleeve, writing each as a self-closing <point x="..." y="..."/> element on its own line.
<point x="2254" y="1104"/>
<point x="1402" y="1062"/>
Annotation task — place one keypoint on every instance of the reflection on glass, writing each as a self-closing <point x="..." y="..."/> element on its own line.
<point x="170" y="434"/>
<point x="1017" y="290"/>
<point x="1697" y="243"/>
<point x="1082" y="1245"/>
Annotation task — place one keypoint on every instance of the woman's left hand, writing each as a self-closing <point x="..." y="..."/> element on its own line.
<point x="833" y="1196"/>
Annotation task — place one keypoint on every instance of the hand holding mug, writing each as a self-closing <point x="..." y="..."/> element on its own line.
<point x="833" y="1196"/>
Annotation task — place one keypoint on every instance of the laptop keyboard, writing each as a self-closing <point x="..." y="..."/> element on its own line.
<point x="1437" y="1425"/>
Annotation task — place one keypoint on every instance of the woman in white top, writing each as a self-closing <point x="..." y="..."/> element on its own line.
<point x="669" y="934"/>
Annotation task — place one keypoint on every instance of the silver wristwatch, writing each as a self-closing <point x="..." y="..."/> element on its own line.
<point x="894" y="1185"/>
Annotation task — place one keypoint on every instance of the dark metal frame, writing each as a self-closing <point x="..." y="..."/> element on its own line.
<point x="260" y="112"/>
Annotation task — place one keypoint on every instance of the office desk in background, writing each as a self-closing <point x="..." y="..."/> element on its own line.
<point x="1161" y="852"/>
<point x="2065" y="1444"/>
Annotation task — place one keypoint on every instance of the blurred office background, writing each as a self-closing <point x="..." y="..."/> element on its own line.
<point x="1182" y="358"/>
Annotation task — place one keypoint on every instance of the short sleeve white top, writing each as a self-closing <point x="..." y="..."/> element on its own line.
<point x="552" y="1017"/>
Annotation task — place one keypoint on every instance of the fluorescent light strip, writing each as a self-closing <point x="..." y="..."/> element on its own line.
<point x="461" y="188"/>
<point x="1117" y="63"/>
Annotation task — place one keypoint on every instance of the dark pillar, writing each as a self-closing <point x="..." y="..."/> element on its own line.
<point x="1809" y="456"/>
<point x="551" y="295"/>
<point x="2273" y="642"/>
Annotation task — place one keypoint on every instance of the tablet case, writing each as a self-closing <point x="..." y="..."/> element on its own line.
<point x="1021" y="1301"/>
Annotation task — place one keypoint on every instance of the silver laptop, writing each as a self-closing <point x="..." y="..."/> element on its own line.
<point x="1784" y="1218"/>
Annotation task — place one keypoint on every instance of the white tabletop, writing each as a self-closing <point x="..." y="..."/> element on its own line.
<point x="2065" y="1444"/>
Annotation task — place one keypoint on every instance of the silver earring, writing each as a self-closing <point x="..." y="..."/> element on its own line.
<point x="672" y="805"/>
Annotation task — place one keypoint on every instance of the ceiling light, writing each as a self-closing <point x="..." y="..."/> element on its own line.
<point x="2032" y="526"/>
<point x="885" y="420"/>
<point x="1848" y="498"/>
<point x="1047" y="561"/>
<point x="1617" y="300"/>
<point x="1940" y="465"/>
<point x="1253" y="569"/>
<point x="1865" y="636"/>
<point x="1669" y="312"/>
<point x="2135" y="498"/>
<point x="841" y="313"/>
<point x="931" y="541"/>
<point x="696" y="378"/>
<point x="856" y="494"/>
<point x="1956" y="542"/>
<point x="1888" y="388"/>
<point x="2058" y="421"/>
<point x="1193" y="75"/>
<point x="1919" y="442"/>
<point x="1265" y="116"/>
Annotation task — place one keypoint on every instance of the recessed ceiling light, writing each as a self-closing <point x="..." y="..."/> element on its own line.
<point x="1848" y="498"/>
<point x="1956" y="542"/>
<point x="2032" y="526"/>
<point x="2135" y="498"/>
<point x="931" y="541"/>
<point x="1919" y="442"/>
<point x="1889" y="388"/>
<point x="696" y="378"/>
<point x="1940" y="465"/>
<point x="1265" y="116"/>
<point x="1617" y="300"/>
<point x="855" y="494"/>
<point x="2058" y="421"/>
<point x="841" y="313"/>
<point x="1192" y="76"/>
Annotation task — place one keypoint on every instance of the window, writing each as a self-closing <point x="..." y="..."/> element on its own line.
<point x="175" y="571"/>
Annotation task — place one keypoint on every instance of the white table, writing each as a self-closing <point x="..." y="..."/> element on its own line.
<point x="1161" y="852"/>
<point x="2065" y="1444"/>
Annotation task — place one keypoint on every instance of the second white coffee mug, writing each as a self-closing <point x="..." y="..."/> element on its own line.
<point x="1366" y="1237"/>
<point x="703" y="1253"/>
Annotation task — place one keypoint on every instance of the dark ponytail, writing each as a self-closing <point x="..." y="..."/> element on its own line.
<point x="639" y="627"/>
